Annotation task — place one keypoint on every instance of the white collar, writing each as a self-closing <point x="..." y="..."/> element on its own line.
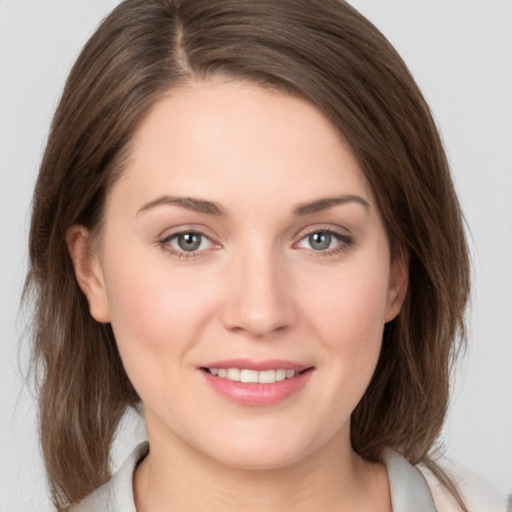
<point x="409" y="490"/>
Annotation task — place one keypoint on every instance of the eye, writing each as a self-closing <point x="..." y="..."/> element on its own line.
<point x="324" y="240"/>
<point x="187" y="242"/>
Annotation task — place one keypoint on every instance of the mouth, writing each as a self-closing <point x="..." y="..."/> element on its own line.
<point x="246" y="375"/>
<point x="256" y="383"/>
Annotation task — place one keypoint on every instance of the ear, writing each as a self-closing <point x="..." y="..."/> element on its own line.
<point x="398" y="282"/>
<point x="88" y="271"/>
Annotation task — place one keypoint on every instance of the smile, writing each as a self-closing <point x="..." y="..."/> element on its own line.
<point x="256" y="383"/>
<point x="253" y="376"/>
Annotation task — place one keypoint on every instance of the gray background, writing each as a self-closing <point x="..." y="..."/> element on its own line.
<point x="460" y="52"/>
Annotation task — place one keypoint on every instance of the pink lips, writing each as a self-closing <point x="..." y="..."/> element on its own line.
<point x="252" y="393"/>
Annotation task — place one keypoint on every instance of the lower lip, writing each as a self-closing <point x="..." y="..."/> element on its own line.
<point x="257" y="394"/>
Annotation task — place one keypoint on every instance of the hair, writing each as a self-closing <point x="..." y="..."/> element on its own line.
<point x="321" y="50"/>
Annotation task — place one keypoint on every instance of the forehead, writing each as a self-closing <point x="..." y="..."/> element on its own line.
<point x="218" y="138"/>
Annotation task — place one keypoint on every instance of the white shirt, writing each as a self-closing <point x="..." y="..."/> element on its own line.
<point x="410" y="491"/>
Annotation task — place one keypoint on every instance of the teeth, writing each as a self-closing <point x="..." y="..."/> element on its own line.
<point x="267" y="377"/>
<point x="253" y="376"/>
<point x="233" y="374"/>
<point x="280" y="375"/>
<point x="248" y="376"/>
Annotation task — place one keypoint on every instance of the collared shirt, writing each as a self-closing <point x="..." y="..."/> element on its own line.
<point x="409" y="489"/>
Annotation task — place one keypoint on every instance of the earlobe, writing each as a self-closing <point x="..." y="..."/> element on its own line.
<point x="88" y="271"/>
<point x="398" y="283"/>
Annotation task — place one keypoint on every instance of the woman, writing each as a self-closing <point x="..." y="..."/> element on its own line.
<point x="244" y="223"/>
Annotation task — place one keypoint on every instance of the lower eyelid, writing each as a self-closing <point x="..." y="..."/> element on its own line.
<point x="169" y="245"/>
<point x="344" y="243"/>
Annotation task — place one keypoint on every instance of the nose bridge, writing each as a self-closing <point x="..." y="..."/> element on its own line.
<point x="257" y="299"/>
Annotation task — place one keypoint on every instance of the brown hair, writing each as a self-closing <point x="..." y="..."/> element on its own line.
<point x="321" y="50"/>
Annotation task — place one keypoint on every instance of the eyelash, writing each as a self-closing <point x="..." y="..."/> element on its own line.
<point x="165" y="243"/>
<point x="345" y="242"/>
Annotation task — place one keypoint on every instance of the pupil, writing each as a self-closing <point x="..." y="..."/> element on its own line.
<point x="189" y="241"/>
<point x="320" y="241"/>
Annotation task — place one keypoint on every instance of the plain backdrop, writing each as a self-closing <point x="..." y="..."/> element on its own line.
<point x="460" y="52"/>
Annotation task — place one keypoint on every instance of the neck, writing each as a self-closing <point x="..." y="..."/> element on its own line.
<point x="175" y="477"/>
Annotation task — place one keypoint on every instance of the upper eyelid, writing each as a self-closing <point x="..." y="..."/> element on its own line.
<point x="344" y="243"/>
<point x="335" y="230"/>
<point x="178" y="230"/>
<point x="343" y="238"/>
<point x="165" y="244"/>
<point x="167" y="239"/>
<point x="170" y="236"/>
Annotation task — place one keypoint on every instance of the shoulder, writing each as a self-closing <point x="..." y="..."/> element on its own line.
<point x="417" y="488"/>
<point x="116" y="495"/>
<point x="478" y="495"/>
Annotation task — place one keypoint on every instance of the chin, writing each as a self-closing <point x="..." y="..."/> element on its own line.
<point x="256" y="451"/>
<point x="270" y="458"/>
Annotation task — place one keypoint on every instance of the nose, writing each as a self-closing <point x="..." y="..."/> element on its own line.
<point x="258" y="298"/>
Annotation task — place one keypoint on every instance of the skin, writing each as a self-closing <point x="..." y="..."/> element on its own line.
<point x="256" y="288"/>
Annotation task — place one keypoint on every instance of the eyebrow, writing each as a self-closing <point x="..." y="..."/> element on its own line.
<point x="323" y="204"/>
<point x="212" y="208"/>
<point x="190" y="203"/>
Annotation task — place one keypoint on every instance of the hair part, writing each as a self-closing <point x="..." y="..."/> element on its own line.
<point x="320" y="50"/>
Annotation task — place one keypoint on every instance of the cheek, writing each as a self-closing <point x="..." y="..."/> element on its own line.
<point x="155" y="309"/>
<point x="349" y="307"/>
<point x="347" y="315"/>
<point x="157" y="316"/>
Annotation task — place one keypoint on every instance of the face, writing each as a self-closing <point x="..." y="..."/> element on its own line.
<point x="246" y="273"/>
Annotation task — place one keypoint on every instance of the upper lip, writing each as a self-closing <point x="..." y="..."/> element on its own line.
<point x="262" y="365"/>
